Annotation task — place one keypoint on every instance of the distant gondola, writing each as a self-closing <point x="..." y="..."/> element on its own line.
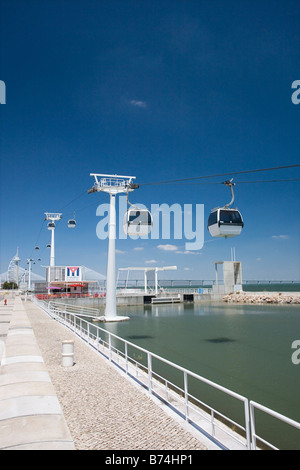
<point x="72" y="222"/>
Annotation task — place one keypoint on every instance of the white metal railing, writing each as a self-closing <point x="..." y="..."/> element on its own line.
<point x="76" y="309"/>
<point x="224" y="430"/>
<point x="113" y="182"/>
<point x="178" y="398"/>
<point x="162" y="290"/>
<point x="280" y="417"/>
<point x="188" y="290"/>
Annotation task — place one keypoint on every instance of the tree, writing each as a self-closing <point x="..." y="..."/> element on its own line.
<point x="9" y="285"/>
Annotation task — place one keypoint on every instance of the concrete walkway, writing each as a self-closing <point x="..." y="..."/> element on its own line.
<point x="30" y="414"/>
<point x="89" y="406"/>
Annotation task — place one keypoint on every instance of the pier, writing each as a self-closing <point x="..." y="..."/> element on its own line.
<point x="88" y="406"/>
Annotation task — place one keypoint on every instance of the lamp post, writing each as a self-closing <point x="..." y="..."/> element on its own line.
<point x="113" y="185"/>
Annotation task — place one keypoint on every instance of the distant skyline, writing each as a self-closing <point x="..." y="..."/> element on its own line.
<point x="163" y="91"/>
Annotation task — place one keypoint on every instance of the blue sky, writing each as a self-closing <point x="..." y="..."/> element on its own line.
<point x="161" y="90"/>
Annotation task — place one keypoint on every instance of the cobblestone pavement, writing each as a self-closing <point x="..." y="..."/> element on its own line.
<point x="103" y="409"/>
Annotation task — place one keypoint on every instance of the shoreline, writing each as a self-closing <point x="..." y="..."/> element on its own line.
<point x="263" y="298"/>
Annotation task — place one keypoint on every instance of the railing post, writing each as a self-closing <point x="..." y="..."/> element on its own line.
<point x="149" y="372"/>
<point x="252" y="419"/>
<point x="247" y="424"/>
<point x="186" y="395"/>
<point x="212" y="414"/>
<point x="97" y="338"/>
<point x="126" y="358"/>
<point x="109" y="346"/>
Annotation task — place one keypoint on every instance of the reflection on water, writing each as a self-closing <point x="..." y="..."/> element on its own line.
<point x="246" y="348"/>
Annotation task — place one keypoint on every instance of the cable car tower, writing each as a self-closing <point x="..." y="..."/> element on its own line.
<point x="52" y="217"/>
<point x="113" y="185"/>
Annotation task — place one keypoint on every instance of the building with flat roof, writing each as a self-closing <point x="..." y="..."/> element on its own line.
<point x="70" y="281"/>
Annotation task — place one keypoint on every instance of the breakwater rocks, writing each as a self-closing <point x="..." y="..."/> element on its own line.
<point x="263" y="298"/>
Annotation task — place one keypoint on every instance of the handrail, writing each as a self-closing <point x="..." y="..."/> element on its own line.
<point x="187" y="405"/>
<point x="269" y="411"/>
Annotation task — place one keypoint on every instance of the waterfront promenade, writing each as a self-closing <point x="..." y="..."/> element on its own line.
<point x="89" y="406"/>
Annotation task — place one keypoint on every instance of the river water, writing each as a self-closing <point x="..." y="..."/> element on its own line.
<point x="246" y="348"/>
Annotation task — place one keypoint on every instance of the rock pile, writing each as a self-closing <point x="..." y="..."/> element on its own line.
<point x="263" y="298"/>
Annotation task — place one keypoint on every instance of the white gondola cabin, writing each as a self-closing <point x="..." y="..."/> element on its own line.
<point x="72" y="223"/>
<point x="137" y="222"/>
<point x="225" y="222"/>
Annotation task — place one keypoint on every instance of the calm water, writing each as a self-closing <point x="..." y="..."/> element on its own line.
<point x="246" y="348"/>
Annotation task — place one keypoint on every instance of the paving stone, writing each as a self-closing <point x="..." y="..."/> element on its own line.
<point x="102" y="408"/>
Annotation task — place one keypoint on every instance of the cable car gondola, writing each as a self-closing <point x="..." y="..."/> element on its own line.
<point x="51" y="225"/>
<point x="225" y="221"/>
<point x="37" y="248"/>
<point x="72" y="222"/>
<point x="137" y="221"/>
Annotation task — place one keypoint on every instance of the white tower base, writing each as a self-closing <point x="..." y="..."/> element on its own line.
<point x="106" y="319"/>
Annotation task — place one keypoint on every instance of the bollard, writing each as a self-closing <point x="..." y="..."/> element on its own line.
<point x="68" y="353"/>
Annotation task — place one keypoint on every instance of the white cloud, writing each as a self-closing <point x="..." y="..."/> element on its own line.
<point x="281" y="237"/>
<point x="151" y="261"/>
<point x="167" y="247"/>
<point x="186" y="252"/>
<point x="138" y="248"/>
<point x="120" y="252"/>
<point x="138" y="103"/>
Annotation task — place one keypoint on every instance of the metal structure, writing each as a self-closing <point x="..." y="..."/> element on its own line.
<point x="146" y="270"/>
<point x="29" y="261"/>
<point x="52" y="217"/>
<point x="113" y="185"/>
<point x="13" y="269"/>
